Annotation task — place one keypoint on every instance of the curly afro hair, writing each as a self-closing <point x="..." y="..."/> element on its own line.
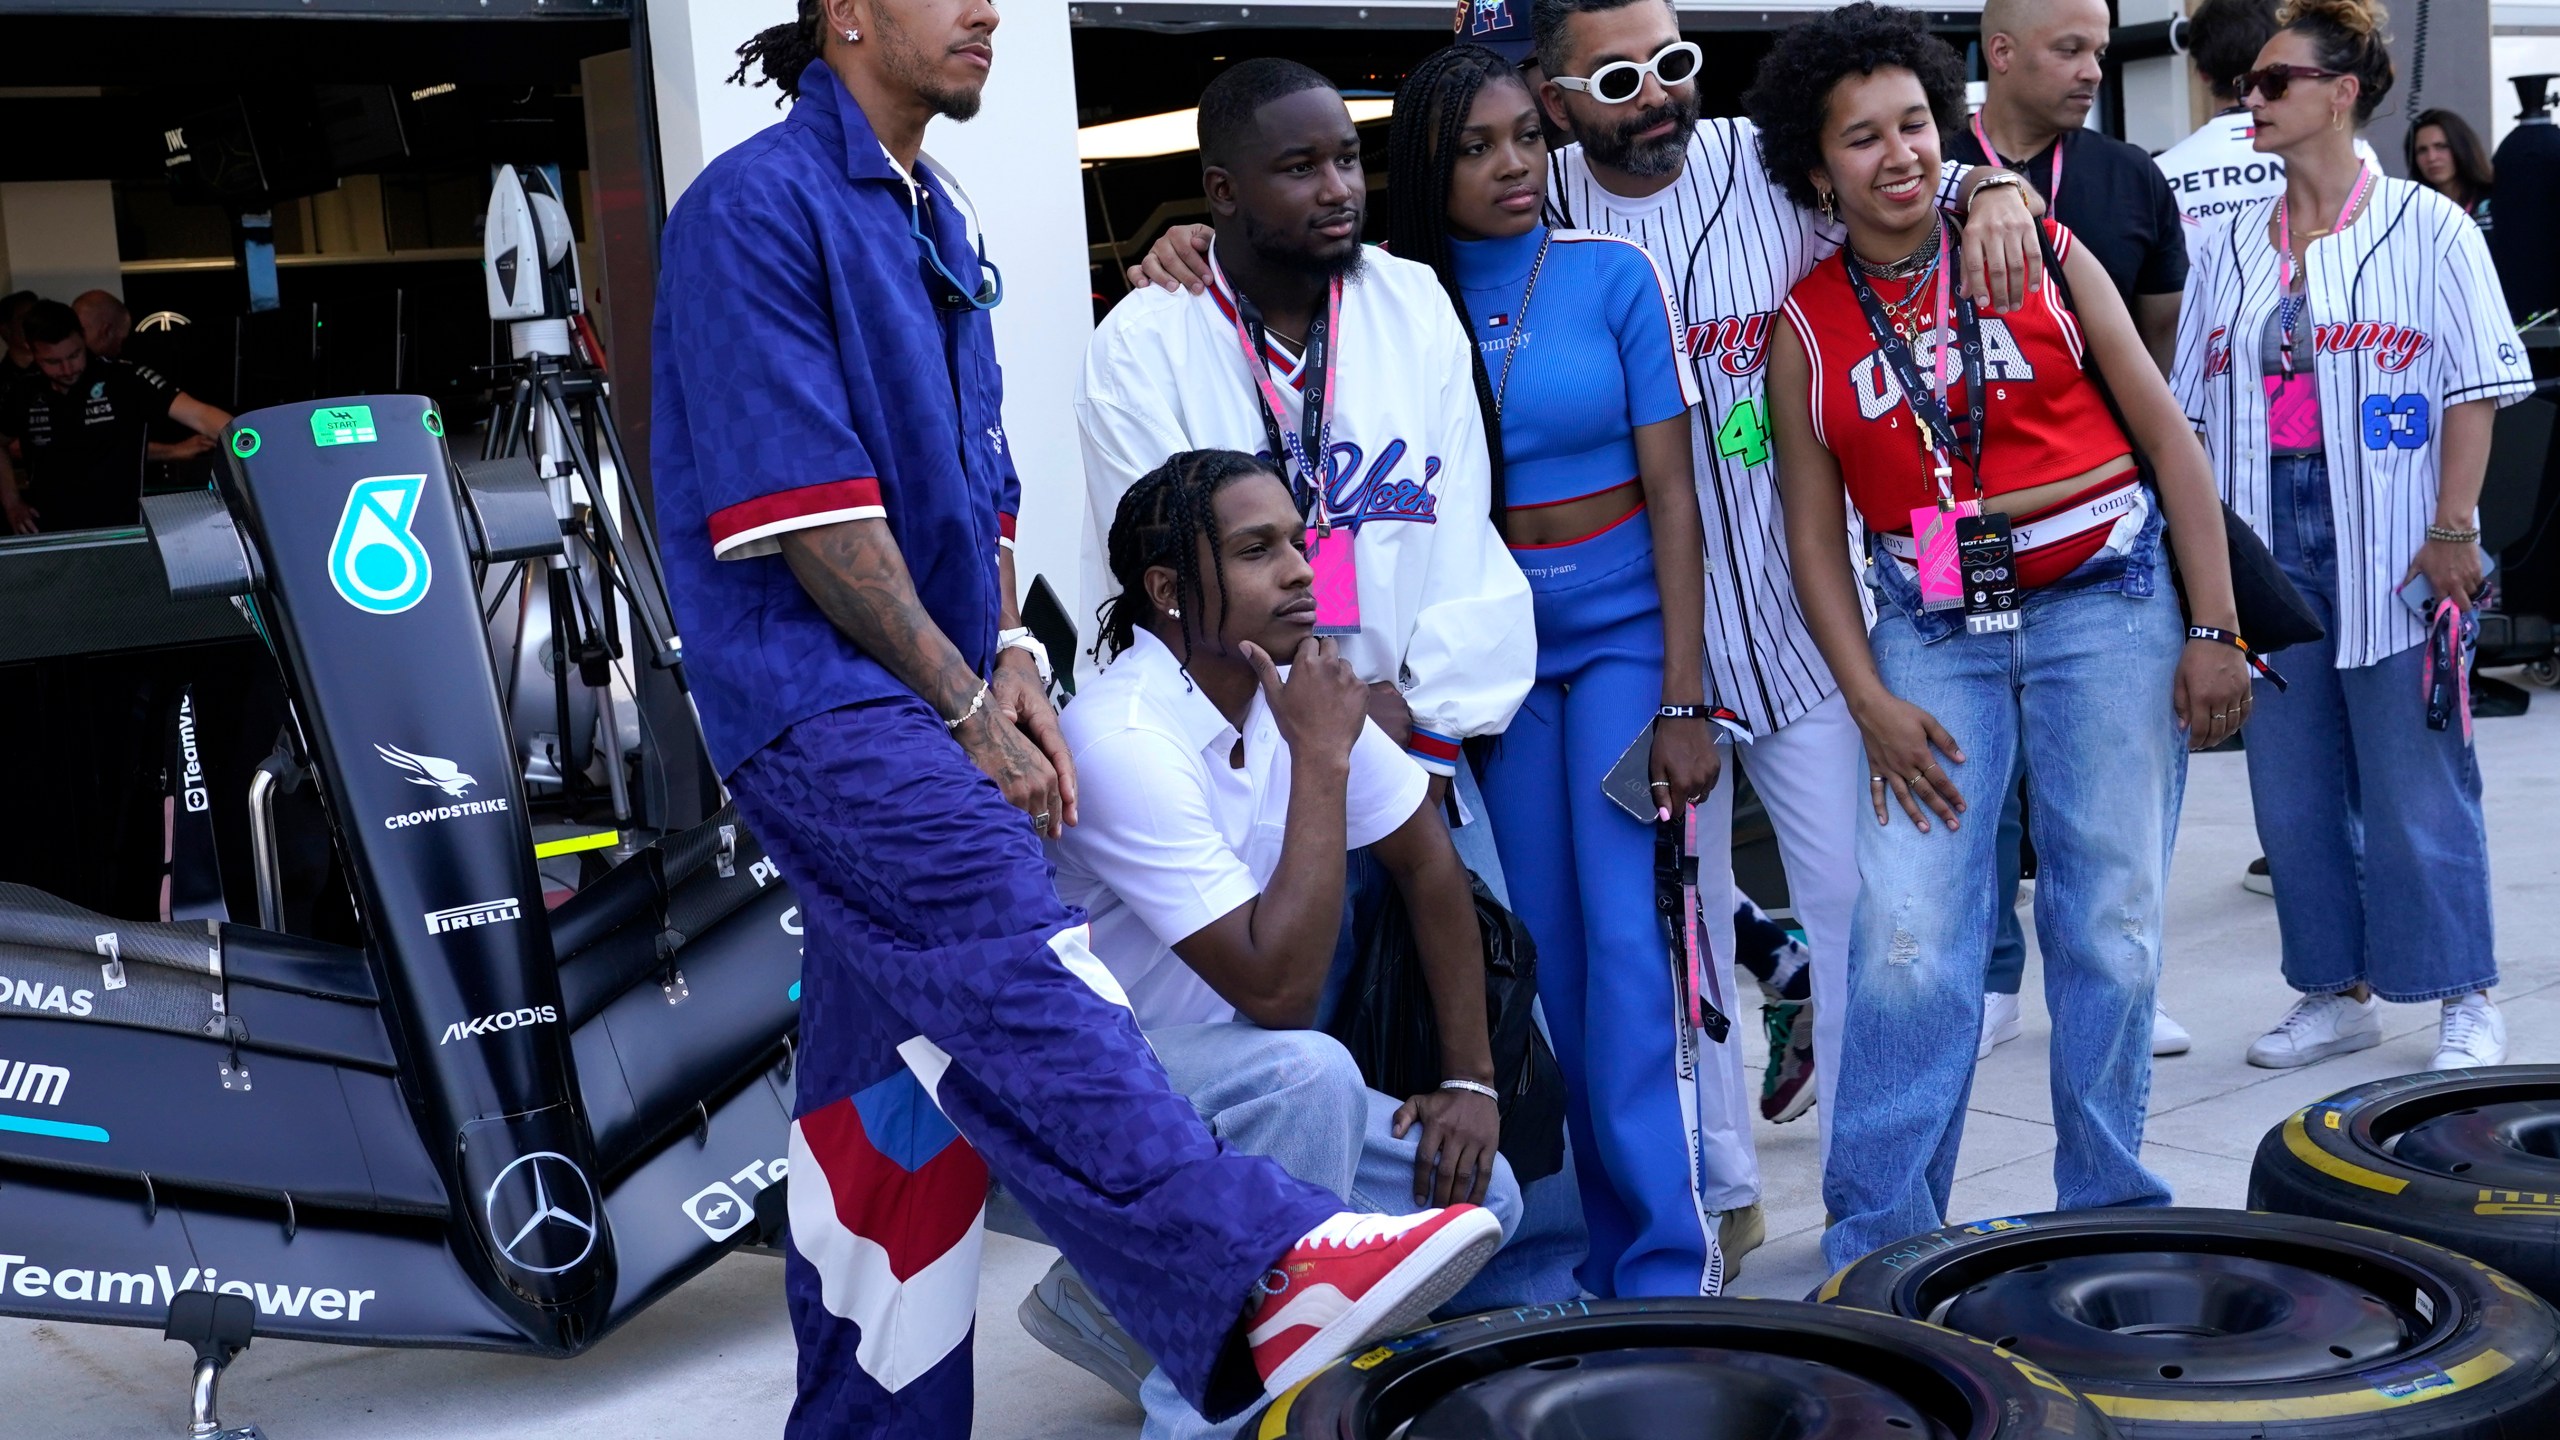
<point x="1790" y="98"/>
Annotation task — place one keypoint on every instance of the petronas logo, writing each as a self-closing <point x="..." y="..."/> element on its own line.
<point x="377" y="565"/>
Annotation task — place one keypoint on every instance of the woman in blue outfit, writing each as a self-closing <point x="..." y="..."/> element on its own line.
<point x="1586" y="407"/>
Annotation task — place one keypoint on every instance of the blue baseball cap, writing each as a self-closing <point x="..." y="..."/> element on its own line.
<point x="1501" y="26"/>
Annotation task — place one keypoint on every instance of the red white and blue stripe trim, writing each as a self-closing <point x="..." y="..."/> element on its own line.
<point x="756" y="527"/>
<point x="1437" y="753"/>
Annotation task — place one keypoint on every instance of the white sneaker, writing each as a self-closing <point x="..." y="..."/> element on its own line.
<point x="2471" y="1034"/>
<point x="2258" y="879"/>
<point x="2168" y="1037"/>
<point x="2317" y="1027"/>
<point x="2001" y="1022"/>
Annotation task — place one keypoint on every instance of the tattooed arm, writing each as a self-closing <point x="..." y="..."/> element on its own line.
<point x="860" y="581"/>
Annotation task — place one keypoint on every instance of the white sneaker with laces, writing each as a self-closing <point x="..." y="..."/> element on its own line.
<point x="2317" y="1027"/>
<point x="2472" y="1033"/>
<point x="2168" y="1037"/>
<point x="2001" y="1022"/>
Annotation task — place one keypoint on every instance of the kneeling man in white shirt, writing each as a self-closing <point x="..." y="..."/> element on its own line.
<point x="1218" y="795"/>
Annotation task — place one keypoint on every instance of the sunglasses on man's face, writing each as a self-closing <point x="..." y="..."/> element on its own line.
<point x="2273" y="80"/>
<point x="1620" y="81"/>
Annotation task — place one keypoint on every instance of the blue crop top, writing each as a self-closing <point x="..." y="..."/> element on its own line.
<point x="1599" y="356"/>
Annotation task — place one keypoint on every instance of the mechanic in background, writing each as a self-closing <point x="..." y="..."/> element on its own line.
<point x="17" y="362"/>
<point x="83" y="429"/>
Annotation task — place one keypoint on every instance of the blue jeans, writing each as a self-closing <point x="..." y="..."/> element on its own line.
<point x="1295" y="1096"/>
<point x="2370" y="819"/>
<point x="2081" y="690"/>
<point x="2008" y="972"/>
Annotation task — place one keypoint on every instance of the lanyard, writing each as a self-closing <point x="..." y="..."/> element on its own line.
<point x="1928" y="405"/>
<point x="1316" y="416"/>
<point x="1698" y="992"/>
<point x="2053" y="181"/>
<point x="2288" y="310"/>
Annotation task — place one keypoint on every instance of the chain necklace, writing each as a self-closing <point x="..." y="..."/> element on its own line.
<point x="1918" y="262"/>
<point x="1520" y="324"/>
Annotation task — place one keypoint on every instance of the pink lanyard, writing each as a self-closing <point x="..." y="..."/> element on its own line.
<point x="2053" y="182"/>
<point x="2287" y="312"/>
<point x="1316" y="366"/>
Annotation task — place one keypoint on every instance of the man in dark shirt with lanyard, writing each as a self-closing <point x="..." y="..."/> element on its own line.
<point x="836" y="501"/>
<point x="2041" y="64"/>
<point x="2041" y="59"/>
<point x="83" y="427"/>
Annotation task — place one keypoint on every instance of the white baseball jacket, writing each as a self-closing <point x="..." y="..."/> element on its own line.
<point x="2406" y="319"/>
<point x="1444" y="611"/>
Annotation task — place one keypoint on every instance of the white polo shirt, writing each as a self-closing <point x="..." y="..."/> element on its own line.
<point x="1171" y="834"/>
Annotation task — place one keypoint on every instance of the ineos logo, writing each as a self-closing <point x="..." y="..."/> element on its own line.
<point x="553" y="1198"/>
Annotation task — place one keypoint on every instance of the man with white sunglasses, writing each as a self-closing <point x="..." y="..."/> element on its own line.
<point x="1693" y="192"/>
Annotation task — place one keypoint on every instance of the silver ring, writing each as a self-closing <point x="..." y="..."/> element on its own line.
<point x="1040" y="819"/>
<point x="1659" y="785"/>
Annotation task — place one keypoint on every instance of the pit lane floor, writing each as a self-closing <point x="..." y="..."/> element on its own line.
<point x="715" y="1358"/>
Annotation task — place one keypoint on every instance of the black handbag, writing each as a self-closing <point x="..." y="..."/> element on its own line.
<point x="1387" y="1022"/>
<point x="2273" y="615"/>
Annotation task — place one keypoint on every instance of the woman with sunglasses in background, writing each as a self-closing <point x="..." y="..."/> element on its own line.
<point x="1586" y="404"/>
<point x="2446" y="156"/>
<point x="2023" y="608"/>
<point x="2343" y="349"/>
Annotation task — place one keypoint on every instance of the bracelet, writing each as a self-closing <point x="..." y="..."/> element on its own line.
<point x="1474" y="1087"/>
<point x="2220" y="636"/>
<point x="1681" y="712"/>
<point x="2451" y="536"/>
<point x="975" y="705"/>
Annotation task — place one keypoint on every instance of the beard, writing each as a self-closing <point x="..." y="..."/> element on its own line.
<point x="1286" y="249"/>
<point x="1617" y="147"/>
<point x="912" y="64"/>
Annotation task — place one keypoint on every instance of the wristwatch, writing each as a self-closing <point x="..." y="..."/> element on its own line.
<point x="1997" y="179"/>
<point x="1020" y="638"/>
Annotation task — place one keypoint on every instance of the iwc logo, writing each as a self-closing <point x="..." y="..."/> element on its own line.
<point x="377" y="565"/>
<point x="541" y="1209"/>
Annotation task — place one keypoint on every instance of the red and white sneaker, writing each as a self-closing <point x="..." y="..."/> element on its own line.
<point x="1355" y="1278"/>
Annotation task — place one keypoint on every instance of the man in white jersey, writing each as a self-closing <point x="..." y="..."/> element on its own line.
<point x="2215" y="172"/>
<point x="1693" y="192"/>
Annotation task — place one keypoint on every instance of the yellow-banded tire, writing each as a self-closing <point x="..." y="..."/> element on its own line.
<point x="2225" y="1324"/>
<point x="2469" y="1159"/>
<point x="1644" y="1370"/>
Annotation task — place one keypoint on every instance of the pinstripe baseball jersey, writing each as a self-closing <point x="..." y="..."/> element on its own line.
<point x="1733" y="245"/>
<point x="2406" y="318"/>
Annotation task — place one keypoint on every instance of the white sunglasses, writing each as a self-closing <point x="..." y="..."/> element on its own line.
<point x="1620" y="81"/>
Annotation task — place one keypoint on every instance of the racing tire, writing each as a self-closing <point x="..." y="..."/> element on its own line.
<point x="1632" y="1370"/>
<point x="2469" y="1159"/>
<point x="2224" y="1324"/>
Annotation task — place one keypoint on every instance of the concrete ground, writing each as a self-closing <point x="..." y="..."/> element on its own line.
<point x="715" y="1359"/>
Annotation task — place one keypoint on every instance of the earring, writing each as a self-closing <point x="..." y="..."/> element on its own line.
<point x="852" y="36"/>
<point x="1830" y="207"/>
<point x="1176" y="614"/>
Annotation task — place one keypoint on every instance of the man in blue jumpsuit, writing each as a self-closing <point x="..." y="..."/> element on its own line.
<point x="836" y="502"/>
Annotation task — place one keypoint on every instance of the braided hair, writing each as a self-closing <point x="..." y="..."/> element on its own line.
<point x="782" y="52"/>
<point x="1422" y="160"/>
<point x="1161" y="521"/>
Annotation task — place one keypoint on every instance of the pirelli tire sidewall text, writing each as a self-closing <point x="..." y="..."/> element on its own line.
<point x="2491" y="1370"/>
<point x="2325" y="1161"/>
<point x="2010" y="1397"/>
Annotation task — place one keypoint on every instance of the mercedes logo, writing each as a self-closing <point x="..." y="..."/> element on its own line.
<point x="541" y="1211"/>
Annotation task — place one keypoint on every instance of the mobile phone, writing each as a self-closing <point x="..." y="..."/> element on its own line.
<point x="2420" y="596"/>
<point x="1630" y="781"/>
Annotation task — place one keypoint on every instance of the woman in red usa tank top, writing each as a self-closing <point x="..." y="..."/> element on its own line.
<point x="2023" y="615"/>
